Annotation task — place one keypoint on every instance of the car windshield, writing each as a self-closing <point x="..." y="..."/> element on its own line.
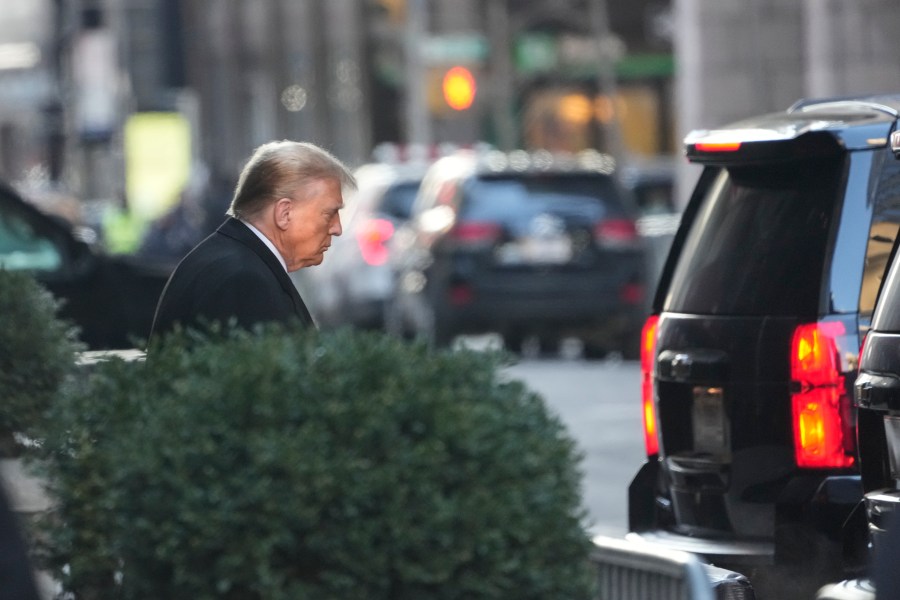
<point x="398" y="199"/>
<point x="518" y="197"/>
<point x="758" y="243"/>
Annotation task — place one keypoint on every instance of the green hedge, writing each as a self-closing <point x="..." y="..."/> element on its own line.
<point x="36" y="353"/>
<point x="323" y="466"/>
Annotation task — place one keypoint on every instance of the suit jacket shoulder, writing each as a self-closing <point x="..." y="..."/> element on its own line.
<point x="231" y="274"/>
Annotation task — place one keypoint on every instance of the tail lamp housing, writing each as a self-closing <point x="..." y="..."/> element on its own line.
<point x="819" y="399"/>
<point x="372" y="237"/>
<point x="616" y="234"/>
<point x="475" y="234"/>
<point x="648" y="406"/>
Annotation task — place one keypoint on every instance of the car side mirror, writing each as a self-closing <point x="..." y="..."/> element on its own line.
<point x="895" y="144"/>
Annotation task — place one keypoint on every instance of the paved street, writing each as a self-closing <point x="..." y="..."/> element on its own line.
<point x="600" y="404"/>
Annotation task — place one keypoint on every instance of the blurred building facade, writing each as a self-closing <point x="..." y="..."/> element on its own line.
<point x="738" y="58"/>
<point x="26" y="86"/>
<point x="629" y="76"/>
<point x="346" y="74"/>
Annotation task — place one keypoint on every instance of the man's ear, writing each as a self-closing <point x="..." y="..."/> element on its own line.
<point x="283" y="212"/>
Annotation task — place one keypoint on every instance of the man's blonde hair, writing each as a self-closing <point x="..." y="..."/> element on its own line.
<point x="277" y="169"/>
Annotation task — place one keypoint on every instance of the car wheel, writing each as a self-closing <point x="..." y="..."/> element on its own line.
<point x="630" y="346"/>
<point x="513" y="341"/>
<point x="523" y="344"/>
<point x="594" y="351"/>
<point x="551" y="346"/>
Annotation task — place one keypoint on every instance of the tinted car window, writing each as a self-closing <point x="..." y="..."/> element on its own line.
<point x="398" y="199"/>
<point x="21" y="247"/>
<point x="887" y="316"/>
<point x="736" y="260"/>
<point x="654" y="198"/>
<point x="883" y="232"/>
<point x="514" y="197"/>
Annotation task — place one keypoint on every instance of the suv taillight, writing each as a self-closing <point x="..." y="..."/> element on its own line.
<point x="371" y="237"/>
<point x="615" y="234"/>
<point x="819" y="401"/>
<point x="648" y="408"/>
<point x="475" y="233"/>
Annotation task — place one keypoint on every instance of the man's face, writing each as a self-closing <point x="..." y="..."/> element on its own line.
<point x="314" y="219"/>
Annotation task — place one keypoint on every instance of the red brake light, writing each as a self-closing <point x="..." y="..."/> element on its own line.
<point x="470" y="232"/>
<point x="631" y="293"/>
<point x="648" y="357"/>
<point x="820" y="402"/>
<point x="717" y="146"/>
<point x="461" y="294"/>
<point x="615" y="233"/>
<point x="371" y="237"/>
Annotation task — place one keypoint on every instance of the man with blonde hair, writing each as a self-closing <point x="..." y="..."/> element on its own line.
<point x="282" y="217"/>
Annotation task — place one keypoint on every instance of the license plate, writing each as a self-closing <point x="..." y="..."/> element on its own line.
<point x="536" y="250"/>
<point x="892" y="433"/>
<point x="711" y="431"/>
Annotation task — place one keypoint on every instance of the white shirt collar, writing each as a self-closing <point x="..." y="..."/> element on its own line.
<point x="267" y="242"/>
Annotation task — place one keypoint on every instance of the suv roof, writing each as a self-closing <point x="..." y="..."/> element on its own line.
<point x="523" y="161"/>
<point x="853" y="123"/>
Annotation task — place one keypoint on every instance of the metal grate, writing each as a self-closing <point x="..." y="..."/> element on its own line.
<point x="634" y="571"/>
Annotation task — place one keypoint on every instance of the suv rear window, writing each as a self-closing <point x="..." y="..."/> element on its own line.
<point x="757" y="245"/>
<point x="398" y="199"/>
<point x="519" y="197"/>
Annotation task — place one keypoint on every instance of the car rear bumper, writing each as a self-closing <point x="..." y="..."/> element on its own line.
<point x="851" y="589"/>
<point x="479" y="305"/>
<point x="813" y="543"/>
<point x="731" y="551"/>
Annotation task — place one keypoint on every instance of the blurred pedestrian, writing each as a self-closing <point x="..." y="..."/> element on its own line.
<point x="282" y="217"/>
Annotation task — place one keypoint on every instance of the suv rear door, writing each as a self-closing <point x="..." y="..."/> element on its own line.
<point x="752" y="268"/>
<point x="752" y="349"/>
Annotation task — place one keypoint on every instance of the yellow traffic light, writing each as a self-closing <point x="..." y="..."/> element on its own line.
<point x="459" y="88"/>
<point x="395" y="9"/>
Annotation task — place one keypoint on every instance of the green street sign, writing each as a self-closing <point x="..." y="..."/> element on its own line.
<point x="536" y="53"/>
<point x="468" y="48"/>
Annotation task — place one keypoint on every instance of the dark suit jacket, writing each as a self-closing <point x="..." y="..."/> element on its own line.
<point x="230" y="274"/>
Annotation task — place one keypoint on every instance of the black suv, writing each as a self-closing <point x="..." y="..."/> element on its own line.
<point x="111" y="299"/>
<point x="750" y="353"/>
<point x="524" y="244"/>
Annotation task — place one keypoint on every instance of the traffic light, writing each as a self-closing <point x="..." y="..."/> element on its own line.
<point x="459" y="87"/>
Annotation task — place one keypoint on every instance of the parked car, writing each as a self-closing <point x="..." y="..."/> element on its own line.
<point x="524" y="245"/>
<point x="877" y="397"/>
<point x="111" y="299"/>
<point x="750" y="354"/>
<point x="350" y="287"/>
<point x="653" y="185"/>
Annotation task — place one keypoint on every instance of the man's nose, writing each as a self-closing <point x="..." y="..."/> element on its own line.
<point x="336" y="227"/>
